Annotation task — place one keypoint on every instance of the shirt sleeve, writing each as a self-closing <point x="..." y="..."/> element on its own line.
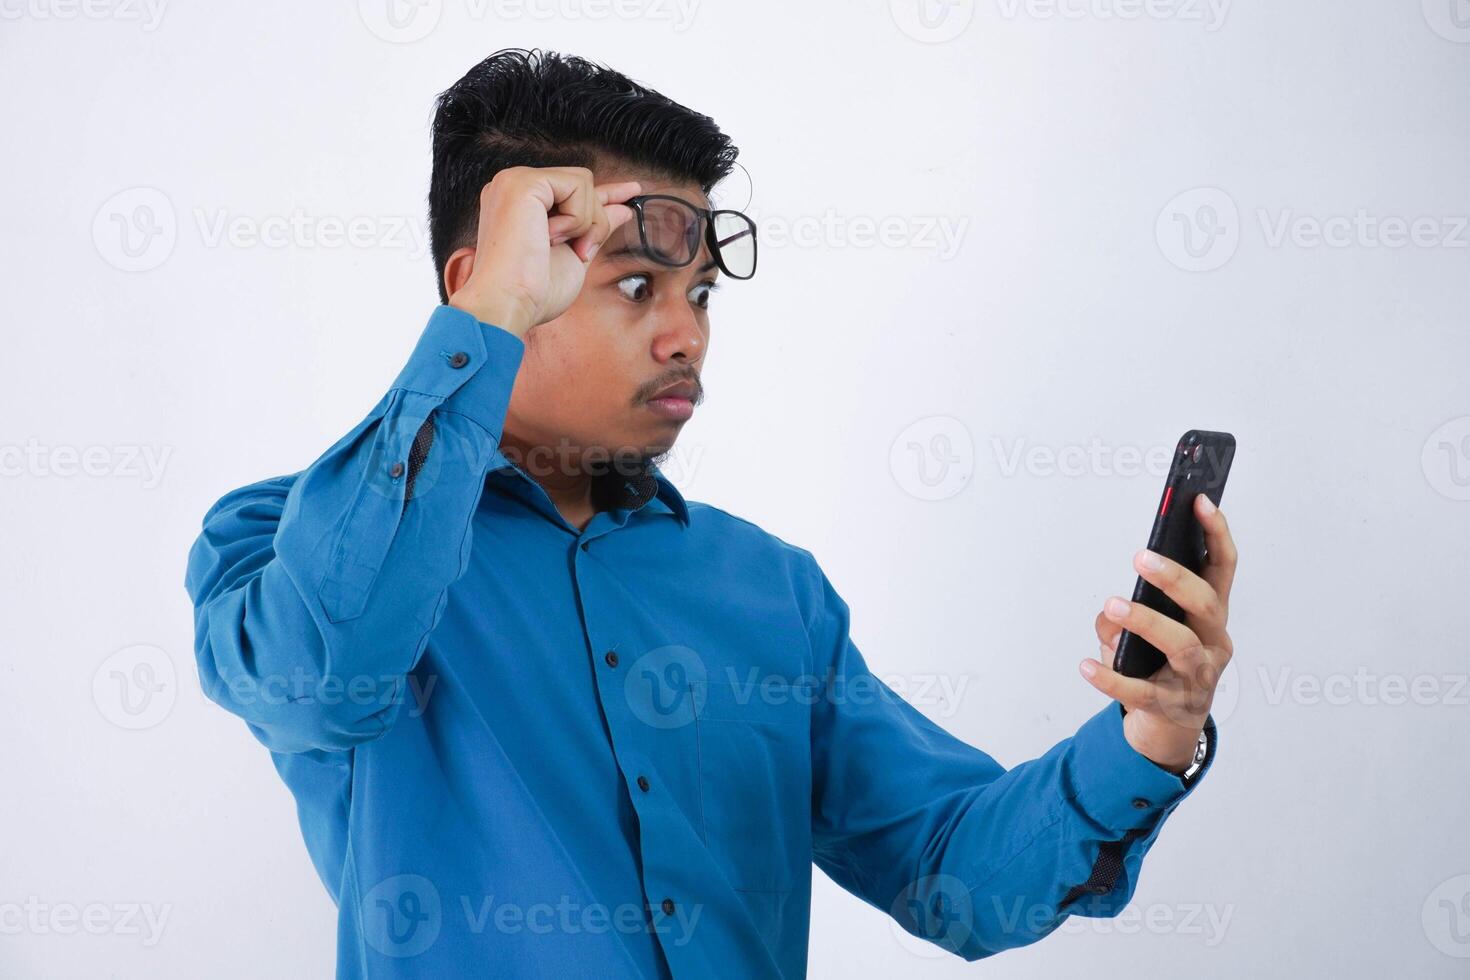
<point x="958" y="849"/>
<point x="314" y="594"/>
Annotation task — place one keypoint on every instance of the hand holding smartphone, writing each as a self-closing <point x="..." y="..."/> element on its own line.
<point x="1200" y="465"/>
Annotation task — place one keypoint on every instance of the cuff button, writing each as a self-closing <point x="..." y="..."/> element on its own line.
<point x="1140" y="804"/>
<point x="459" y="359"/>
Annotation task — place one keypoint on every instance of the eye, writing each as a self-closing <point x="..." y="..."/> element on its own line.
<point x="635" y="287"/>
<point x="700" y="293"/>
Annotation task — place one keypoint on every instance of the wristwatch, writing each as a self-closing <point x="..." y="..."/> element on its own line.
<point x="1201" y="748"/>
<point x="1201" y="752"/>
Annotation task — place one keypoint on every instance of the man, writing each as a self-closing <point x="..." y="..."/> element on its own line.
<point x="542" y="716"/>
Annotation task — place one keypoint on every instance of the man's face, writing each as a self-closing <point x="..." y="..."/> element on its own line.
<point x="590" y="377"/>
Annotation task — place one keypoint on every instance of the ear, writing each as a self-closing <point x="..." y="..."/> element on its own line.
<point x="457" y="269"/>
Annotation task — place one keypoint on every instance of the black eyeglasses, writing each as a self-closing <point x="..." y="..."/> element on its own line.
<point x="670" y="230"/>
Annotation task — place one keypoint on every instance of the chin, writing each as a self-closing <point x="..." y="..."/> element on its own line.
<point x="653" y="450"/>
<point x="635" y="451"/>
<point x="658" y="453"/>
<point x="653" y="439"/>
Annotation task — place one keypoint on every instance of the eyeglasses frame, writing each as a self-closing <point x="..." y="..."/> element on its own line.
<point x="708" y="217"/>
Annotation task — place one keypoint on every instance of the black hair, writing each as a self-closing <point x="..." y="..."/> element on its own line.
<point x="532" y="108"/>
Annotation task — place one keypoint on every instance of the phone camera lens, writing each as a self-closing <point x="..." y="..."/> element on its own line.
<point x="1198" y="452"/>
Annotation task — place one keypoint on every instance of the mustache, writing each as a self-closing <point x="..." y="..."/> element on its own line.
<point x="647" y="391"/>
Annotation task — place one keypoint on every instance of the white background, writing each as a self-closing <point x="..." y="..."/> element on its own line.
<point x="1070" y="316"/>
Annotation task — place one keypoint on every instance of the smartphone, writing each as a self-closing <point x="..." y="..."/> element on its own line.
<point x="1200" y="465"/>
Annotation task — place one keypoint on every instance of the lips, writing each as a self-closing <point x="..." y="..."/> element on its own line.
<point x="681" y="389"/>
<point x="675" y="402"/>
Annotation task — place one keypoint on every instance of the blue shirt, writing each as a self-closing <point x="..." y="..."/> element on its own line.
<point x="521" y="749"/>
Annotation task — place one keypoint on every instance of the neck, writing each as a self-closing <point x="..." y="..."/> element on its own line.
<point x="566" y="482"/>
<point x="571" y="482"/>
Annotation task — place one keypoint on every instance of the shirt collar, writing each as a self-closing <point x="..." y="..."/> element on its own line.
<point x="650" y="488"/>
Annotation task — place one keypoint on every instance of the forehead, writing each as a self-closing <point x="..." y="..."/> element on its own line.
<point x="651" y="183"/>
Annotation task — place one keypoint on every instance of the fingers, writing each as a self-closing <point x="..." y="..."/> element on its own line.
<point x="1107" y="633"/>
<point x="612" y="198"/>
<point x="577" y="198"/>
<point x="618" y="193"/>
<point x="564" y="227"/>
<point x="1133" y="692"/>
<point x="1220" y="561"/>
<point x="1174" y="640"/>
<point x="1197" y="597"/>
<point x="617" y="216"/>
<point x="611" y="215"/>
<point x="578" y="213"/>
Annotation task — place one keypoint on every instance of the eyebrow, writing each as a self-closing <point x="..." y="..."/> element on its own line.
<point x="631" y="250"/>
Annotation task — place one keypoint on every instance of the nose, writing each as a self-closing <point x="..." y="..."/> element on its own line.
<point x="678" y="335"/>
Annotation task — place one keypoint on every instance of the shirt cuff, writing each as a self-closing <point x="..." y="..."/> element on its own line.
<point x="470" y="364"/>
<point x="1115" y="784"/>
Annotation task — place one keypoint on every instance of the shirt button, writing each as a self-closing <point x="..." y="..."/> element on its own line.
<point x="585" y="544"/>
<point x="611" y="658"/>
<point x="459" y="360"/>
<point x="396" y="470"/>
<point x="668" y="906"/>
<point x="643" y="783"/>
<point x="1140" y="804"/>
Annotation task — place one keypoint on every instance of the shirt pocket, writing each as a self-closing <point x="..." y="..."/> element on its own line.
<point x="755" y="782"/>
